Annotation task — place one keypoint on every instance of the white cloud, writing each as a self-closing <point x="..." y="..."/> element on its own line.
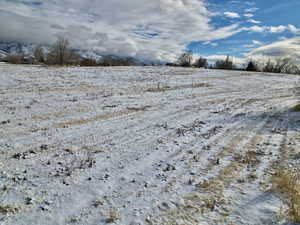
<point x="157" y="29"/>
<point x="250" y="3"/>
<point x="248" y="15"/>
<point x="280" y="49"/>
<point x="282" y="38"/>
<point x="214" y="44"/>
<point x="293" y="29"/>
<point x="273" y="29"/>
<point x="255" y="42"/>
<point x="256" y="29"/>
<point x="232" y="15"/>
<point x="251" y="10"/>
<point x="287" y="48"/>
<point x="278" y="29"/>
<point x="253" y="21"/>
<point x="281" y="28"/>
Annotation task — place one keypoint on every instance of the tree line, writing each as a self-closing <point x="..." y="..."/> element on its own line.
<point x="280" y="65"/>
<point x="61" y="53"/>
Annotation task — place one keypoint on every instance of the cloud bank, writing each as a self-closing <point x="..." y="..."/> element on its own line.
<point x="149" y="30"/>
<point x="158" y="29"/>
<point x="288" y="48"/>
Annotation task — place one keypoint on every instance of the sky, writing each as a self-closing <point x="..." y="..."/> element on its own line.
<point x="159" y="29"/>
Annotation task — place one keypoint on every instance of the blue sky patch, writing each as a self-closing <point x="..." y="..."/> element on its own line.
<point x="269" y="14"/>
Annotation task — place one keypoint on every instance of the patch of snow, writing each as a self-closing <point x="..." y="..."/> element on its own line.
<point x="134" y="145"/>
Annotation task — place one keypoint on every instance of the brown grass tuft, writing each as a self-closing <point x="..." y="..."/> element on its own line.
<point x="5" y="209"/>
<point x="287" y="182"/>
<point x="101" y="117"/>
<point x="250" y="158"/>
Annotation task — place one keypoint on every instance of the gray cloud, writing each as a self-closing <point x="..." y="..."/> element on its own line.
<point x="57" y="27"/>
<point x="15" y="27"/>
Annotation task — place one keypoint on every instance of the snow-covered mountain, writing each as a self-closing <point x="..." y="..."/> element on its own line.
<point x="27" y="49"/>
<point x="2" y="53"/>
<point x="15" y="48"/>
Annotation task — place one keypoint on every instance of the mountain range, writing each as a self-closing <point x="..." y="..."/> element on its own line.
<point x="27" y="49"/>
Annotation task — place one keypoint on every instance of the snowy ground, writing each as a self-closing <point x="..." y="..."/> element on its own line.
<point x="143" y="145"/>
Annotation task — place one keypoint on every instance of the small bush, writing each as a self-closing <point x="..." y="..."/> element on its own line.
<point x="296" y="108"/>
<point x="14" y="59"/>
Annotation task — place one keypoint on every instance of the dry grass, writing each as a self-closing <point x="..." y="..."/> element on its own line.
<point x="113" y="216"/>
<point x="229" y="149"/>
<point x="207" y="197"/>
<point x="80" y="88"/>
<point x="287" y="182"/>
<point x="212" y="185"/>
<point x="100" y="117"/>
<point x="250" y="158"/>
<point x="80" y="108"/>
<point x="160" y="88"/>
<point x="209" y="194"/>
<point x="5" y="209"/>
<point x="217" y="101"/>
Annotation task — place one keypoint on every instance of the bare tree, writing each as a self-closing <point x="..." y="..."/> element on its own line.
<point x="297" y="70"/>
<point x="61" y="53"/>
<point x="185" y="59"/>
<point x="226" y="64"/>
<point x="201" y="62"/>
<point x="39" y="54"/>
<point x="281" y="65"/>
<point x="284" y="65"/>
<point x="269" y="67"/>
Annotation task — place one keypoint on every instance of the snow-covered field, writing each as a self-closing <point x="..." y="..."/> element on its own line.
<point x="143" y="145"/>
